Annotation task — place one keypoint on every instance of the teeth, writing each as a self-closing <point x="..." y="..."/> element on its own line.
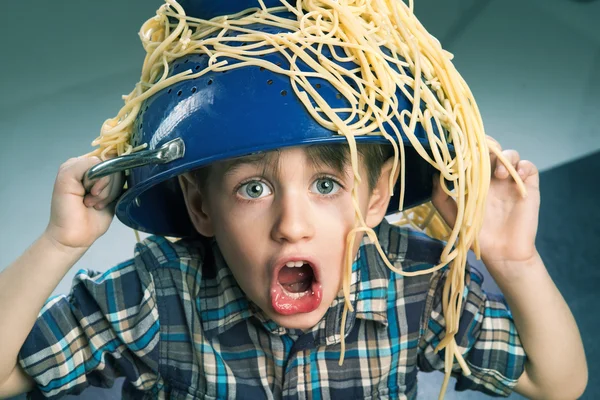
<point x="295" y="264"/>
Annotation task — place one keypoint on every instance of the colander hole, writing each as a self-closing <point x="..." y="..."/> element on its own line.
<point x="194" y="89"/>
<point x="270" y="82"/>
<point x="278" y="64"/>
<point x="141" y="126"/>
<point x="338" y="96"/>
<point x="146" y="109"/>
<point x="197" y="67"/>
<point x="179" y="93"/>
<point x="185" y="62"/>
<point x="318" y="86"/>
<point x="262" y="68"/>
<point x="169" y="91"/>
<point x="284" y="92"/>
<point x="210" y="82"/>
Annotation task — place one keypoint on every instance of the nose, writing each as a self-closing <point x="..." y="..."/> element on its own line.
<point x="294" y="222"/>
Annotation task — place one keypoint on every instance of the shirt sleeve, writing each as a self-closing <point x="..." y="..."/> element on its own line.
<point x="106" y="328"/>
<point x="487" y="338"/>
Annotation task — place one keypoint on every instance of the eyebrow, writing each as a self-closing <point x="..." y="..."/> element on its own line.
<point x="253" y="159"/>
<point x="270" y="159"/>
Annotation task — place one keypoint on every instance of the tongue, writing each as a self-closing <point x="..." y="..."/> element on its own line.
<point x="296" y="280"/>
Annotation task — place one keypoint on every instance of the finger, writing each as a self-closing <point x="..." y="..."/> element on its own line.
<point x="116" y="186"/>
<point x="100" y="206"/>
<point x="512" y="157"/>
<point x="101" y="203"/>
<point x="100" y="186"/>
<point x="493" y="163"/>
<point x="80" y="165"/>
<point x="493" y="142"/>
<point x="112" y="191"/>
<point x="444" y="204"/>
<point x="104" y="193"/>
<point x="106" y="205"/>
<point x="494" y="147"/>
<point x="528" y="172"/>
<point x="71" y="173"/>
<point x="90" y="200"/>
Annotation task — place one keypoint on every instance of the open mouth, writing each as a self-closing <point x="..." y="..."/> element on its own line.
<point x="295" y="288"/>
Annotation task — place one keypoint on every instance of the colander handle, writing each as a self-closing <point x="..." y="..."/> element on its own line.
<point x="170" y="151"/>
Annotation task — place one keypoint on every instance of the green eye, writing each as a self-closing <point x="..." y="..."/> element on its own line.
<point x="254" y="190"/>
<point x="325" y="186"/>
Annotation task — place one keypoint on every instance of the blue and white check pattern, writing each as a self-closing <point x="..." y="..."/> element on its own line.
<point x="175" y="323"/>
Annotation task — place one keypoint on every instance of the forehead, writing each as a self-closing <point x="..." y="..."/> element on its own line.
<point x="332" y="156"/>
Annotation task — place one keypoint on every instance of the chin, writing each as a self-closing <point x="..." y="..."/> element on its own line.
<point x="303" y="321"/>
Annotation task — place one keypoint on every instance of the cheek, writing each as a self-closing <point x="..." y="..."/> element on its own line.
<point x="236" y="236"/>
<point x="339" y="217"/>
<point x="335" y="221"/>
<point x="233" y="231"/>
<point x="242" y="231"/>
<point x="340" y="208"/>
<point x="244" y="254"/>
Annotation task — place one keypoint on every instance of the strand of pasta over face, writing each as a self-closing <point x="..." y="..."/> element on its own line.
<point x="391" y="51"/>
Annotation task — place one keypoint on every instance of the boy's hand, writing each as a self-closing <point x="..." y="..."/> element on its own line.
<point x="510" y="220"/>
<point x="77" y="219"/>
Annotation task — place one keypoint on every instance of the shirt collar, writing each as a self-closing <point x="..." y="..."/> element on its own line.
<point x="222" y="303"/>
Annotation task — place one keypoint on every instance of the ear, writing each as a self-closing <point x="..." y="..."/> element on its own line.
<point x="380" y="195"/>
<point x="196" y="205"/>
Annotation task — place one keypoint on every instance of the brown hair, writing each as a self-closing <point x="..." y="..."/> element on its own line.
<point x="337" y="156"/>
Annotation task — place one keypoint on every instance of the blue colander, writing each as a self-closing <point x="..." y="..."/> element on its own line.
<point x="230" y="114"/>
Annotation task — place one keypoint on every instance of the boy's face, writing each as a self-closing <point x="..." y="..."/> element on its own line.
<point x="281" y="221"/>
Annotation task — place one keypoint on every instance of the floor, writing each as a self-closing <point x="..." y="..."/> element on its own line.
<point x="532" y="64"/>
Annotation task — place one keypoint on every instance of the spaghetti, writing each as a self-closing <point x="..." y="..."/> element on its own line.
<point x="392" y="51"/>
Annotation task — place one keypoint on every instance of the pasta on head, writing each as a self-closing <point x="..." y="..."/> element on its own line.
<point x="392" y="54"/>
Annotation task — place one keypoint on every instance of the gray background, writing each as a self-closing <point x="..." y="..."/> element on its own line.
<point x="533" y="66"/>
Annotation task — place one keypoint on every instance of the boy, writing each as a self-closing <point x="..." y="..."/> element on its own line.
<point x="251" y="306"/>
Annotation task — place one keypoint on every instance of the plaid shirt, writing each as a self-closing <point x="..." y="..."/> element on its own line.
<point x="176" y="324"/>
